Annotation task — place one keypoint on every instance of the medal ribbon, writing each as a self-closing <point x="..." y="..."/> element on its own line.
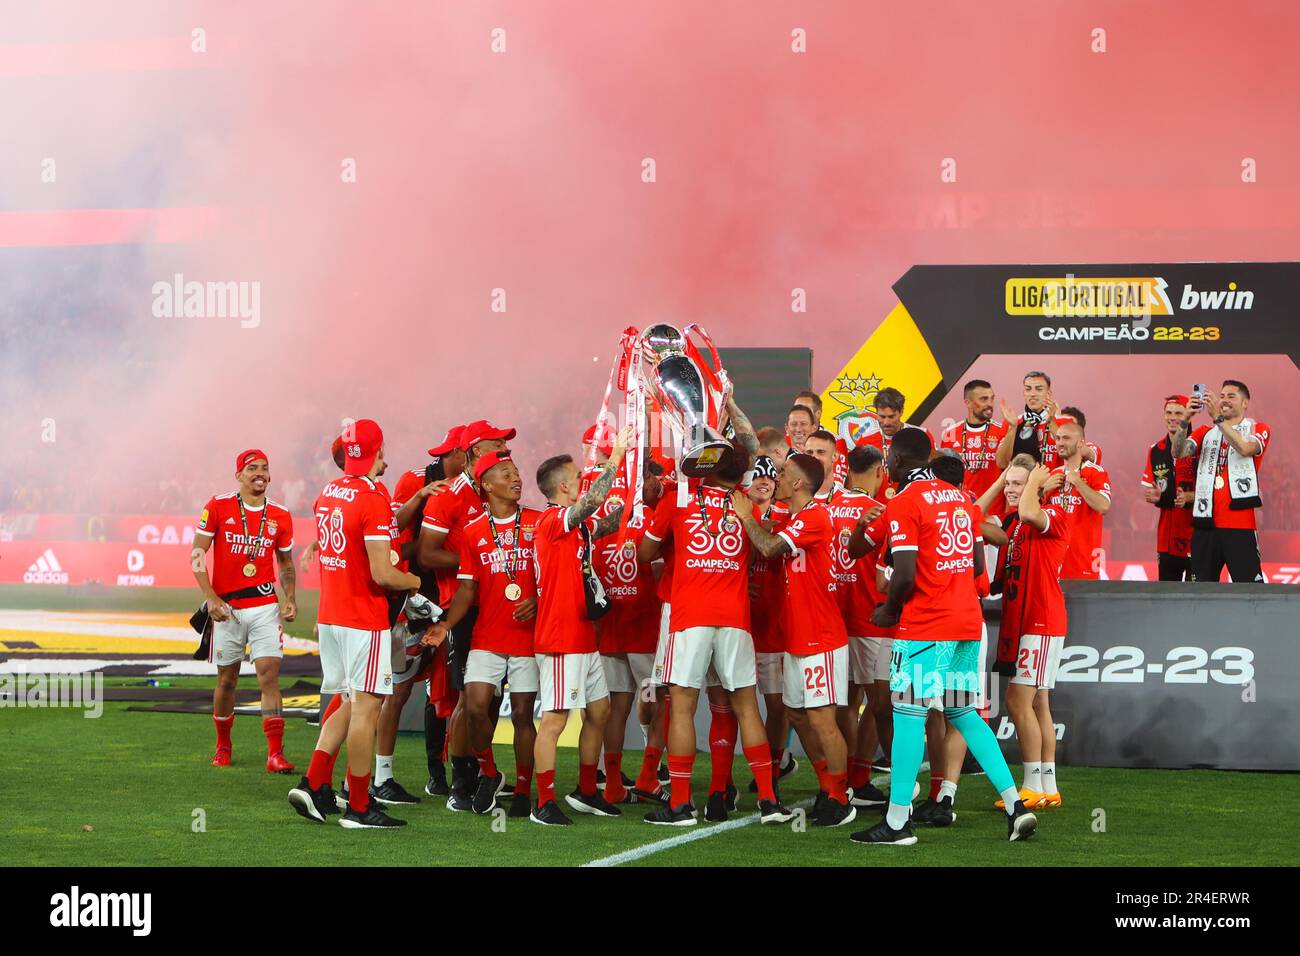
<point x="243" y="518"/>
<point x="505" y="561"/>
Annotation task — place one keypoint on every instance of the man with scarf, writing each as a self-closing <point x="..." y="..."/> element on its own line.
<point x="1033" y="432"/>
<point x="1166" y="483"/>
<point x="1227" y="456"/>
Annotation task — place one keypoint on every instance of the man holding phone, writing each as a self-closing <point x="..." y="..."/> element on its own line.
<point x="1226" y="486"/>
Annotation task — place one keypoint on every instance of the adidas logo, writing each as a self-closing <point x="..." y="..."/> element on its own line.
<point x="46" y="570"/>
<point x="482" y="542"/>
<point x="230" y="521"/>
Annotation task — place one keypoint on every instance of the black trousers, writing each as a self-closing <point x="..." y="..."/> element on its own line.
<point x="1173" y="568"/>
<point x="458" y="647"/>
<point x="1235" y="548"/>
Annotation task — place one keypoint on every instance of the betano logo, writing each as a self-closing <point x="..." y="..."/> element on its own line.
<point x="1115" y="297"/>
<point x="46" y="570"/>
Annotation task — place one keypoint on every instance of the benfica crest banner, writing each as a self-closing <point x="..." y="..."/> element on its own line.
<point x="947" y="316"/>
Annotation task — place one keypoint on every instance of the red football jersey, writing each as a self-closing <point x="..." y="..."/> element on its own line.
<point x="1224" y="516"/>
<point x="767" y="591"/>
<point x="449" y="512"/>
<point x="664" y="589"/>
<point x="936" y="520"/>
<point x="1174" y="530"/>
<point x="1084" y="534"/>
<point x="1032" y="602"/>
<point x="710" y="586"/>
<point x="349" y="512"/>
<point x="978" y="446"/>
<point x="856" y="578"/>
<point x="632" y="624"/>
<point x="232" y="549"/>
<point x="491" y="568"/>
<point x="812" y="622"/>
<point x="562" y="625"/>
<point x="408" y="485"/>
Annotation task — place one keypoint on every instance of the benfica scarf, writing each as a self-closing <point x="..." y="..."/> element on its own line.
<point x="1028" y="434"/>
<point x="1005" y="661"/>
<point x="1161" y="459"/>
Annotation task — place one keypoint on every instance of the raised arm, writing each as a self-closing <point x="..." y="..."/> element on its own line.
<point x="608" y="524"/>
<point x="1031" y="510"/>
<point x="590" y="503"/>
<point x="745" y="433"/>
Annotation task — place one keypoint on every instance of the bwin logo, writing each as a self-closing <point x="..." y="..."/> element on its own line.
<point x="1229" y="298"/>
<point x="75" y="909"/>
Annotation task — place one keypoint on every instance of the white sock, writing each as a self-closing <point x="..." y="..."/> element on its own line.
<point x="645" y="732"/>
<point x="1049" y="776"/>
<point x="383" y="769"/>
<point x="948" y="789"/>
<point x="1034" y="777"/>
<point x="897" y="815"/>
<point x="1009" y="797"/>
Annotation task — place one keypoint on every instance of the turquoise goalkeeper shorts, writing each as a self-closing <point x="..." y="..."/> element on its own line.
<point x="946" y="673"/>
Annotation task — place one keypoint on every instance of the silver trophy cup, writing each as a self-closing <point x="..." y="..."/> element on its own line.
<point x="681" y="390"/>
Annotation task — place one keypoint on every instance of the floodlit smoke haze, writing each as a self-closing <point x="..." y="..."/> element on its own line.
<point x="522" y="171"/>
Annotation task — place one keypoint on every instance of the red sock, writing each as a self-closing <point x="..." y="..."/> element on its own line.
<point x="679" y="772"/>
<point x="722" y="746"/>
<point x="335" y="703"/>
<point x="838" y="781"/>
<point x="320" y="770"/>
<point x="648" y="778"/>
<point x="487" y="762"/>
<point x="587" y="779"/>
<point x="359" y="793"/>
<point x="446" y="740"/>
<point x="760" y="764"/>
<point x="273" y="727"/>
<point x="523" y="779"/>
<point x="545" y="787"/>
<point x="859" y="773"/>
<point x="935" y="784"/>
<point x="223" y="725"/>
<point x="614" y="789"/>
<point x="333" y="758"/>
<point x="823" y="779"/>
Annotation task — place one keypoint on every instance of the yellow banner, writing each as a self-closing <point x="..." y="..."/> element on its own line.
<point x="1085" y="296"/>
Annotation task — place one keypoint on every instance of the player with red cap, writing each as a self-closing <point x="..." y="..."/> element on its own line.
<point x="358" y="568"/>
<point x="441" y="543"/>
<point x="496" y="572"/>
<point x="242" y="529"/>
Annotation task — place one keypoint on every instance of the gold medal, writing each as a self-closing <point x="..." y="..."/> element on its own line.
<point x="1218" y="481"/>
<point x="250" y="569"/>
<point x="514" y="592"/>
<point x="393" y="556"/>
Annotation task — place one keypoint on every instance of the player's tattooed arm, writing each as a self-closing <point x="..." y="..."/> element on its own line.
<point x="901" y="585"/>
<point x="859" y="543"/>
<point x="288" y="584"/>
<point x="744" y="429"/>
<point x="765" y="542"/>
<point x="589" y="503"/>
<point x="608" y="524"/>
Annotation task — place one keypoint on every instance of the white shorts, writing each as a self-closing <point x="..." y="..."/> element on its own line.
<point x="869" y="659"/>
<point x="707" y="656"/>
<point x="353" y="660"/>
<point x="570" y="681"/>
<point x="770" y="666"/>
<point x="627" y="673"/>
<point x="817" y="680"/>
<point x="1037" y="659"/>
<point x="489" y="667"/>
<point x="657" y="673"/>
<point x="258" y="627"/>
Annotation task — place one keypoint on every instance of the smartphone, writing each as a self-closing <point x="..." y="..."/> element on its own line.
<point x="1199" y="391"/>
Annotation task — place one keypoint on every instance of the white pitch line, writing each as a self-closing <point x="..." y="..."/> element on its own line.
<point x="641" y="852"/>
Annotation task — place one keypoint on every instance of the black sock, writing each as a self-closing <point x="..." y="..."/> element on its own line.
<point x="464" y="772"/>
<point x="435" y="737"/>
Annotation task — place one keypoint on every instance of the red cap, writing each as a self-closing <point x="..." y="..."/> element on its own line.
<point x="1180" y="399"/>
<point x="244" y="457"/>
<point x="606" y="443"/>
<point x="361" y="448"/>
<point x="488" y="461"/>
<point x="483" y="430"/>
<point x="450" y="443"/>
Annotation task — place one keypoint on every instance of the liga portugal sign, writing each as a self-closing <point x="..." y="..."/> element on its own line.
<point x="947" y="316"/>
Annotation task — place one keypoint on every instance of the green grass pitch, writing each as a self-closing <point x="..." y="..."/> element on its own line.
<point x="123" y="790"/>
